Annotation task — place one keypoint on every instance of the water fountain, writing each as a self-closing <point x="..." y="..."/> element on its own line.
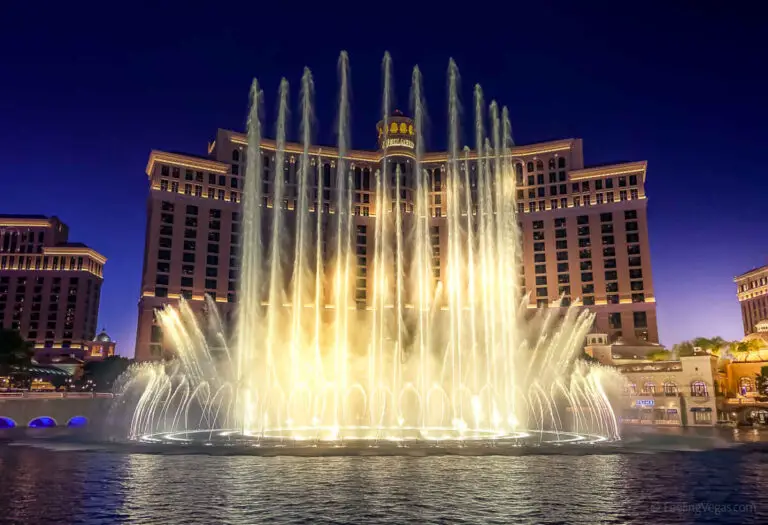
<point x="457" y="359"/>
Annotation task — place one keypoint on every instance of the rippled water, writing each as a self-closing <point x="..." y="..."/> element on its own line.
<point x="59" y="486"/>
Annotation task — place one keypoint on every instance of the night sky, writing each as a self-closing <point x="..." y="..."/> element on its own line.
<point x="85" y="94"/>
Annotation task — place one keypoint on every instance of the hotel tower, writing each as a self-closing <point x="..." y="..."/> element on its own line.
<point x="584" y="229"/>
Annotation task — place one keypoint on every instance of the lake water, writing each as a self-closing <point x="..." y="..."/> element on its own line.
<point x="63" y="486"/>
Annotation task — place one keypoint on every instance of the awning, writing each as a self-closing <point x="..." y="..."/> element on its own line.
<point x="701" y="409"/>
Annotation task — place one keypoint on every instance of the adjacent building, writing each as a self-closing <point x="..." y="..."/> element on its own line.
<point x="50" y="288"/>
<point x="584" y="229"/>
<point x="667" y="392"/>
<point x="752" y="291"/>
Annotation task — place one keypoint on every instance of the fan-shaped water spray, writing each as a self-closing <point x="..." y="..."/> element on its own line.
<point x="429" y="353"/>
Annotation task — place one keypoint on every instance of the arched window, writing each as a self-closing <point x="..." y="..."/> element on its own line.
<point x="42" y="422"/>
<point x="699" y="389"/>
<point x="530" y="167"/>
<point x="551" y="164"/>
<point x="561" y="162"/>
<point x="235" y="155"/>
<point x="670" y="388"/>
<point x="539" y="165"/>
<point x="519" y="168"/>
<point x="746" y="385"/>
<point x="631" y="388"/>
<point x="649" y="388"/>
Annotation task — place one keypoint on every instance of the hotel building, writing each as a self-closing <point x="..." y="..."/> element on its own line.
<point x="584" y="229"/>
<point x="49" y="287"/>
<point x="752" y="291"/>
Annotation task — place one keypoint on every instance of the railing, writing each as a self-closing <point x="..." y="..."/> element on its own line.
<point x="55" y="395"/>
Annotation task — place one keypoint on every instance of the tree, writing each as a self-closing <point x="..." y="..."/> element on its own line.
<point x="105" y="372"/>
<point x="714" y="344"/>
<point x="15" y="352"/>
<point x="682" y="349"/>
<point x="761" y="382"/>
<point x="746" y="347"/>
<point x="660" y="355"/>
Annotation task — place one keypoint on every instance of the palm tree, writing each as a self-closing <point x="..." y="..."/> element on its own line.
<point x="745" y="348"/>
<point x="714" y="344"/>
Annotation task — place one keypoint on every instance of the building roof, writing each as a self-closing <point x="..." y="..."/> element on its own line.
<point x="103" y="337"/>
<point x="753" y="270"/>
<point x="21" y="216"/>
<point x="72" y="245"/>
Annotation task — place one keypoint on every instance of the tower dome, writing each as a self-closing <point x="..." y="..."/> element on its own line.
<point x="103" y="337"/>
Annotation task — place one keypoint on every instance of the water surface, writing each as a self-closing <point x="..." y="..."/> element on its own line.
<point x="66" y="486"/>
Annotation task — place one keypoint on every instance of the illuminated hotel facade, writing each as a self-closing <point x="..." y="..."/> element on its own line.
<point x="584" y="230"/>
<point x="50" y="288"/>
<point x="752" y="292"/>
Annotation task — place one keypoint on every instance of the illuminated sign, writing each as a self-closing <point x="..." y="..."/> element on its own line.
<point x="644" y="403"/>
<point x="402" y="143"/>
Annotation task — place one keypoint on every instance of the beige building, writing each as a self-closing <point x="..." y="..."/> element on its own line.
<point x="676" y="393"/>
<point x="585" y="233"/>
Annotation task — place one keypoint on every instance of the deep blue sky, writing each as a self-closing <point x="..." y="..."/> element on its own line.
<point x="85" y="94"/>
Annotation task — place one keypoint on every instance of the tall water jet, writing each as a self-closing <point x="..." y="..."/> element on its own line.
<point x="248" y="320"/>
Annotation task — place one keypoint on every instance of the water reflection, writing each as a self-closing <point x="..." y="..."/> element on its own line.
<point x="41" y="486"/>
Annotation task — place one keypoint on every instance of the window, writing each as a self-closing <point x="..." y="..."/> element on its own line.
<point x="612" y="299"/>
<point x="670" y="388"/>
<point x="211" y="271"/>
<point x="560" y="222"/>
<point x="583" y="230"/>
<point x="649" y="388"/>
<point x="585" y="186"/>
<point x="541" y="280"/>
<point x="609" y="251"/>
<point x="746" y="385"/>
<point x="560" y="234"/>
<point x="609" y="263"/>
<point x="606" y="217"/>
<point x="638" y="298"/>
<point x="537" y="225"/>
<point x="163" y="267"/>
<point x="606" y="228"/>
<point x="561" y="162"/>
<point x="611" y="275"/>
<point x="562" y="256"/>
<point x="586" y="277"/>
<point x="633" y="249"/>
<point x="614" y="320"/>
<point x="608" y="239"/>
<point x="584" y="242"/>
<point x="634" y="261"/>
<point x="640" y="319"/>
<point x="588" y="300"/>
<point x="529" y="167"/>
<point x="636" y="286"/>
<point x="539" y="257"/>
<point x="162" y="280"/>
<point x="164" y="255"/>
<point x="210" y="284"/>
<point x="541" y="268"/>
<point x="587" y="288"/>
<point x="630" y="214"/>
<point x="633" y="237"/>
<point x="562" y="267"/>
<point x="585" y="266"/>
<point x="612" y="287"/>
<point x="585" y="253"/>
<point x="192" y="210"/>
<point x="622" y="181"/>
<point x="636" y="273"/>
<point x="561" y="245"/>
<point x="531" y="180"/>
<point x="538" y="247"/>
<point x="563" y="278"/>
<point x="161" y="291"/>
<point x="633" y="180"/>
<point x="213" y="248"/>
<point x="699" y="389"/>
<point x="190" y="245"/>
<point x="188" y="257"/>
<point x="541" y="292"/>
<point x="609" y="184"/>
